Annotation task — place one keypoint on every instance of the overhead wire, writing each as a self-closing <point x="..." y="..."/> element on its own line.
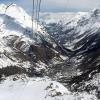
<point x="39" y="9"/>
<point x="33" y="13"/>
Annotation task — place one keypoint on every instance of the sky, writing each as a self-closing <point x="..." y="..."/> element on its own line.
<point x="57" y="5"/>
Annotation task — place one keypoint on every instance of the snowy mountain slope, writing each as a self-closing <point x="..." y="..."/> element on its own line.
<point x="21" y="51"/>
<point x="22" y="17"/>
<point x="16" y="34"/>
<point x="81" y="35"/>
<point x="38" y="89"/>
<point x="76" y="29"/>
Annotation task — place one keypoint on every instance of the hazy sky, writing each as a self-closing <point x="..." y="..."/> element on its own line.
<point x="58" y="5"/>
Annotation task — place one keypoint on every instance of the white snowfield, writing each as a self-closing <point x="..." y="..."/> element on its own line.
<point x="38" y="89"/>
<point x="14" y="21"/>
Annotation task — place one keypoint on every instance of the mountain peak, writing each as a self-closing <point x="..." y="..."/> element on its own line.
<point x="18" y="14"/>
<point x="96" y="11"/>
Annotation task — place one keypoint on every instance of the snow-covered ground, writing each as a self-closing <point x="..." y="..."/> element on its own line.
<point x="38" y="89"/>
